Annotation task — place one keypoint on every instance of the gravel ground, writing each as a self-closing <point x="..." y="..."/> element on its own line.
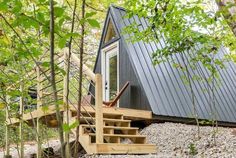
<point x="175" y="140"/>
<point x="31" y="148"/>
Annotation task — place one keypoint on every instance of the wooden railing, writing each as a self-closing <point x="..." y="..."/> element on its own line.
<point x="38" y="79"/>
<point x="97" y="80"/>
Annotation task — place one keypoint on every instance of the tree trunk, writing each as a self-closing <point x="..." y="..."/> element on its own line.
<point x="67" y="135"/>
<point x="53" y="82"/>
<point x="80" y="74"/>
<point x="190" y="80"/>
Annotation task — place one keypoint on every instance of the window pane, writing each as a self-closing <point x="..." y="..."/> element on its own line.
<point x="113" y="77"/>
<point x="110" y="34"/>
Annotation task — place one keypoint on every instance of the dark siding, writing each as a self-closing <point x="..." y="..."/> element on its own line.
<point x="134" y="97"/>
<point x="163" y="84"/>
<point x="98" y="65"/>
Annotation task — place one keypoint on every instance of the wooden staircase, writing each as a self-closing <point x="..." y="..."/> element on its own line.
<point x="118" y="136"/>
<point x="103" y="130"/>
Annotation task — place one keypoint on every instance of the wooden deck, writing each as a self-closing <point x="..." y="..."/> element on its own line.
<point x="102" y="129"/>
<point x="116" y="126"/>
<point x="49" y="113"/>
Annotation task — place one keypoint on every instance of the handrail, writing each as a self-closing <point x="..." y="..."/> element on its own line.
<point x="18" y="82"/>
<point x="42" y="91"/>
<point x="33" y="71"/>
<point x="86" y="69"/>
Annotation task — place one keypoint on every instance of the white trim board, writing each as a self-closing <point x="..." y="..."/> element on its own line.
<point x="109" y="48"/>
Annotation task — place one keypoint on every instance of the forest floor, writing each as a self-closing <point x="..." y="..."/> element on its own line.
<point x="173" y="140"/>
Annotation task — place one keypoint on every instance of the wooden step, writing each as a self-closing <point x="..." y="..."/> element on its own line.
<point x="116" y="138"/>
<point x="107" y="121"/>
<point x="105" y="115"/>
<point x="116" y="122"/>
<point x="116" y="148"/>
<point x="111" y="129"/>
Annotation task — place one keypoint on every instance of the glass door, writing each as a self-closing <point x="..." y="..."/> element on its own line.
<point x="111" y="74"/>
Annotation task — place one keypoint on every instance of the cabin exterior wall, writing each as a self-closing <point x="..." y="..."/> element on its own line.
<point x="134" y="96"/>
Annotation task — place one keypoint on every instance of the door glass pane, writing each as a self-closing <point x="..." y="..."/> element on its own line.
<point x="113" y="77"/>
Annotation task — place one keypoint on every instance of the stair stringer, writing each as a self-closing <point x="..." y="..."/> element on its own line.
<point x="90" y="148"/>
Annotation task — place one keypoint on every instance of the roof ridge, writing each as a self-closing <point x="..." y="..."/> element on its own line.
<point x="117" y="7"/>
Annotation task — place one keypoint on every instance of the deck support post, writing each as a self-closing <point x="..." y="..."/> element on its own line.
<point x="39" y="103"/>
<point x="7" y="145"/>
<point x="98" y="108"/>
<point x="21" y="103"/>
<point x="67" y="114"/>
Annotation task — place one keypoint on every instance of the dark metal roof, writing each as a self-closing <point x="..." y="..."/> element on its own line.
<point x="163" y="84"/>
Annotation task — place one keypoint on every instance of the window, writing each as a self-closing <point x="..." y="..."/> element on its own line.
<point x="110" y="33"/>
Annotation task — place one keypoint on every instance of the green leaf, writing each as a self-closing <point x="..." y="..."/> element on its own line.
<point x="13" y="93"/>
<point x="45" y="108"/>
<point x="45" y="28"/>
<point x="59" y="102"/>
<point x="45" y="64"/>
<point x="62" y="42"/>
<point x="58" y="11"/>
<point x="74" y="125"/>
<point x="3" y="6"/>
<point x="36" y="52"/>
<point x="93" y="23"/>
<point x="66" y="128"/>
<point x="17" y="7"/>
<point x="40" y="17"/>
<point x="61" y="70"/>
<point x="87" y="15"/>
<point x="233" y="57"/>
<point x="72" y="35"/>
<point x="2" y="105"/>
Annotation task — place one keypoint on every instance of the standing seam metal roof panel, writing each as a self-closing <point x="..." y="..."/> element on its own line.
<point x="163" y="84"/>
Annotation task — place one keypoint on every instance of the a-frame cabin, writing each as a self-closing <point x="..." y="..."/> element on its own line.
<point x="159" y="88"/>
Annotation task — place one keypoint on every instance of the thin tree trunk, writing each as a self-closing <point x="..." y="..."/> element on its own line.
<point x="67" y="78"/>
<point x="214" y="121"/>
<point x="53" y="82"/>
<point x="192" y="95"/>
<point x="81" y="76"/>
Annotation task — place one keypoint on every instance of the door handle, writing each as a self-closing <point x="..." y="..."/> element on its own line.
<point x="105" y="85"/>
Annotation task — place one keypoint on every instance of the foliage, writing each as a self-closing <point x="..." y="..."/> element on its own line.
<point x="29" y="133"/>
<point x="192" y="149"/>
<point x="184" y="26"/>
<point x="192" y="30"/>
<point x="24" y="39"/>
<point x="67" y="128"/>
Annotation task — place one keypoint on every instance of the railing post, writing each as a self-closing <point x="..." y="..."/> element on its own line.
<point x="39" y="103"/>
<point x="98" y="108"/>
<point x="21" y="103"/>
<point x="67" y="113"/>
<point x="7" y="152"/>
